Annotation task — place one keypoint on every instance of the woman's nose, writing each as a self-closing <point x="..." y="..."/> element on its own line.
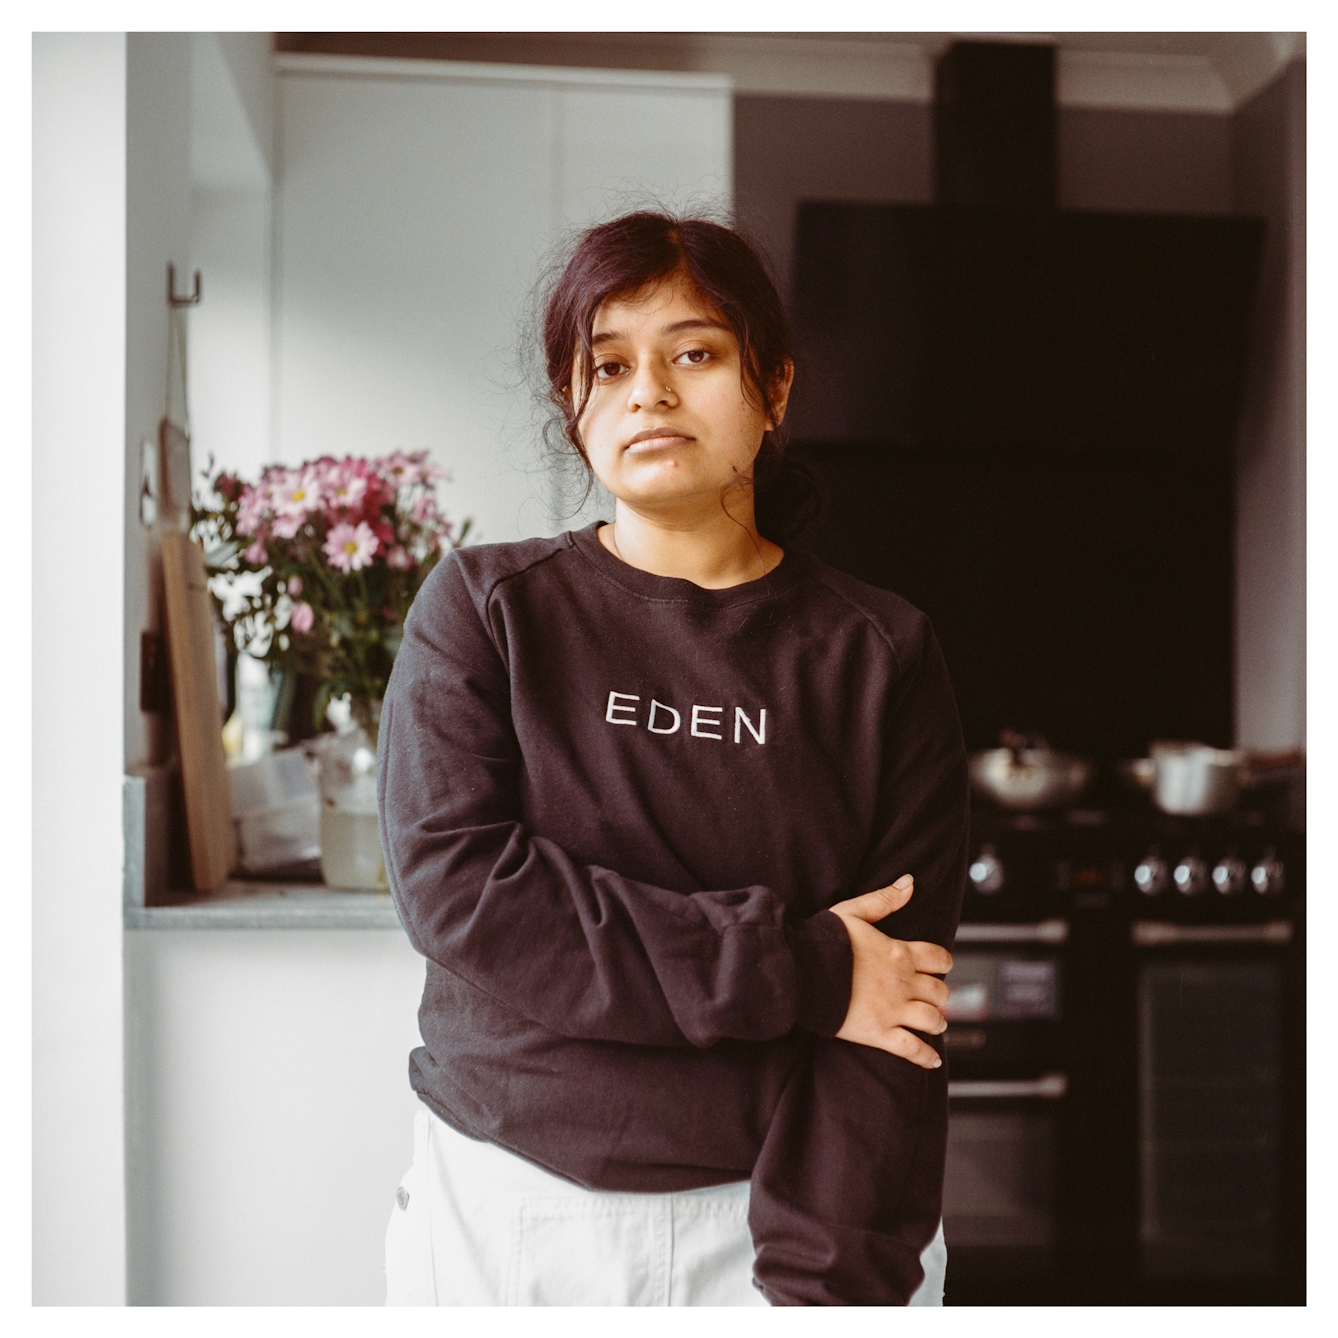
<point x="651" y="385"/>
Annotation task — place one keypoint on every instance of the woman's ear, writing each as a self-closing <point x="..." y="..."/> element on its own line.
<point x="780" y="391"/>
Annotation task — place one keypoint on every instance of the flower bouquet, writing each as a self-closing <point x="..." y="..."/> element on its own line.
<point x="315" y="566"/>
<point x="313" y="570"/>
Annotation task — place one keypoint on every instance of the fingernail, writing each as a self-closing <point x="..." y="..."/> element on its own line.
<point x="904" y="881"/>
<point x="938" y="1064"/>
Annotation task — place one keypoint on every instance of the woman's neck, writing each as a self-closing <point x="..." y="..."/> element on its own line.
<point x="714" y="552"/>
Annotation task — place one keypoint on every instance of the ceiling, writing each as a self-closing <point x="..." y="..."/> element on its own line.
<point x="1203" y="72"/>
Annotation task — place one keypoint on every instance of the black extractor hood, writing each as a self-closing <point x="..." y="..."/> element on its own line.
<point x="1025" y="417"/>
<point x="995" y="138"/>
<point x="995" y="317"/>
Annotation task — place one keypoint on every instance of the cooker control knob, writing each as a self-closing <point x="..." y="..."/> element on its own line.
<point x="1190" y="876"/>
<point x="1151" y="877"/>
<point x="987" y="872"/>
<point x="1268" y="876"/>
<point x="1229" y="876"/>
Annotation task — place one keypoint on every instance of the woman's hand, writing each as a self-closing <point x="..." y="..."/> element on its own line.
<point x="890" y="987"/>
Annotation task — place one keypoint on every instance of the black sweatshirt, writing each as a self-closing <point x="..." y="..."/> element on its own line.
<point x="614" y="806"/>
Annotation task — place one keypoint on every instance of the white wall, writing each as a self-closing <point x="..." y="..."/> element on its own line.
<point x="1270" y="181"/>
<point x="269" y="1111"/>
<point x="230" y="330"/>
<point x="79" y="420"/>
<point x="416" y="203"/>
<point x="275" y="1116"/>
<point x="231" y="137"/>
<point x="157" y="207"/>
<point x="250" y="61"/>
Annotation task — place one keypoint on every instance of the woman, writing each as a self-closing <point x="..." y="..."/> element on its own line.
<point x="645" y="791"/>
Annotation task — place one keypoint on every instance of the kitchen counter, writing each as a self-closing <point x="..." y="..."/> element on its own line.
<point x="258" y="905"/>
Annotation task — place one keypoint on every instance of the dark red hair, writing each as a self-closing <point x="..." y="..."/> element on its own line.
<point x="627" y="255"/>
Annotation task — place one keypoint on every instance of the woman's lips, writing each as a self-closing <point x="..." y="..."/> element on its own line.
<point x="656" y="441"/>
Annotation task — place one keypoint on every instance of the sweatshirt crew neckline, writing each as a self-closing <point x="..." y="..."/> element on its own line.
<point x="675" y="589"/>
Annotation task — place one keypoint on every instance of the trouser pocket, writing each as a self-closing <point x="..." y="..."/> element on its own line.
<point x="713" y="1249"/>
<point x="598" y="1252"/>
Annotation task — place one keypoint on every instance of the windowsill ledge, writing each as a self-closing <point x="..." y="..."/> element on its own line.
<point x="255" y="905"/>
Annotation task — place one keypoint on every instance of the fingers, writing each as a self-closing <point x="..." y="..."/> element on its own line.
<point x="880" y="903"/>
<point x="898" y="1041"/>
<point x="930" y="989"/>
<point x="929" y="957"/>
<point x="923" y="1017"/>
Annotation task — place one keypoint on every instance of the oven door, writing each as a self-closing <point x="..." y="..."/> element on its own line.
<point x="999" y="1186"/>
<point x="1219" y="1102"/>
<point x="1006" y="1095"/>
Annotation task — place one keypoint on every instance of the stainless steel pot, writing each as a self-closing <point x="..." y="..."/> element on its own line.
<point x="1026" y="775"/>
<point x="1192" y="779"/>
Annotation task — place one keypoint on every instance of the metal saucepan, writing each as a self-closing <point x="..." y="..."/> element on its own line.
<point x="1194" y="779"/>
<point x="1026" y="775"/>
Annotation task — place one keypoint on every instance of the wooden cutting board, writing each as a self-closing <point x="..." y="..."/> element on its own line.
<point x="204" y="775"/>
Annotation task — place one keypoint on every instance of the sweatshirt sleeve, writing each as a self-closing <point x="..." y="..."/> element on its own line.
<point x="848" y="1187"/>
<point x="580" y="949"/>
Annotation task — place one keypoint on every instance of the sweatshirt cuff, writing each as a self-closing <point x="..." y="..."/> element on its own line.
<point x="823" y="967"/>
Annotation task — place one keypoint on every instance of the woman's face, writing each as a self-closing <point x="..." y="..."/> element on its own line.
<point x="667" y="426"/>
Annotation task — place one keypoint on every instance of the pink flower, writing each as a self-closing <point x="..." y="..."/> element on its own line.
<point x="345" y="485"/>
<point x="251" y="509"/>
<point x="399" y="558"/>
<point x="301" y="618"/>
<point x="425" y="510"/>
<point x="294" y="586"/>
<point x="406" y="470"/>
<point x="287" y="525"/>
<point x="297" y="493"/>
<point x="399" y="468"/>
<point x="351" y="549"/>
<point x="257" y="555"/>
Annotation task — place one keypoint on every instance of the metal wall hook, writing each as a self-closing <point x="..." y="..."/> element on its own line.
<point x="173" y="299"/>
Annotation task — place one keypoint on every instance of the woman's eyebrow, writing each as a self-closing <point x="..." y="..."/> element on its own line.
<point x="695" y="323"/>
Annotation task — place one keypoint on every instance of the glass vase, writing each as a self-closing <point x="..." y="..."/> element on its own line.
<point x="350" y="843"/>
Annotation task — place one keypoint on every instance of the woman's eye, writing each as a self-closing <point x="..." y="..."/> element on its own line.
<point x="606" y="371"/>
<point x="695" y="356"/>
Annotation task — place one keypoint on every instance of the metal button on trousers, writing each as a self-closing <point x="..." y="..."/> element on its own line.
<point x="478" y="1225"/>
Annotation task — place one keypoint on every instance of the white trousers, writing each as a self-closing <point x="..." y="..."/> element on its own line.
<point x="474" y="1224"/>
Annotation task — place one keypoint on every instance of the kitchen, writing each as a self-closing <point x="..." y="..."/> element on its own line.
<point x="1170" y="134"/>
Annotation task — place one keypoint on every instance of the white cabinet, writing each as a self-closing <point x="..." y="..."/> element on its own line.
<point x="636" y="146"/>
<point x="417" y="203"/>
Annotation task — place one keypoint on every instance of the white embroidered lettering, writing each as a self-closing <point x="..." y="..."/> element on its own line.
<point x="699" y="717"/>
<point x="660" y="706"/>
<point x="613" y="706"/>
<point x="760" y="733"/>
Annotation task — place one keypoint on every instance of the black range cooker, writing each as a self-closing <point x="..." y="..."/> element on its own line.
<point x="1025" y="421"/>
<point x="1125" y="1052"/>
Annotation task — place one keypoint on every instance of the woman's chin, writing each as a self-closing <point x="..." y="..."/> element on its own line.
<point x="677" y="499"/>
<point x="670" y="480"/>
